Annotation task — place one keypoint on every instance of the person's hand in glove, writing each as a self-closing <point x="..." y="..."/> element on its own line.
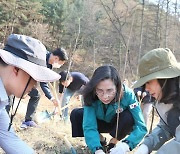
<point x="121" y="148"/>
<point x="143" y="149"/>
<point x="99" y="151"/>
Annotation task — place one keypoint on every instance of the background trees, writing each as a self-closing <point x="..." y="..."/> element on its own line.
<point x="114" y="32"/>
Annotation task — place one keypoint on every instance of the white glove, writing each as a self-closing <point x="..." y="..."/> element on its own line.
<point x="143" y="149"/>
<point x="139" y="93"/>
<point x="99" y="152"/>
<point x="144" y="94"/>
<point x="121" y="148"/>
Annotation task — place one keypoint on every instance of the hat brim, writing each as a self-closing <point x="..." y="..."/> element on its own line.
<point x="37" y="72"/>
<point x="167" y="73"/>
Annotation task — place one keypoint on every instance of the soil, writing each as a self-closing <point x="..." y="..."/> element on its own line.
<point x="48" y="138"/>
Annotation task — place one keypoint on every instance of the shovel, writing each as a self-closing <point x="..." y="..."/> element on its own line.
<point x="46" y="116"/>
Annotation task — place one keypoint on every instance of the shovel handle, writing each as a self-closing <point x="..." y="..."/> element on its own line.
<point x="69" y="145"/>
<point x="56" y="97"/>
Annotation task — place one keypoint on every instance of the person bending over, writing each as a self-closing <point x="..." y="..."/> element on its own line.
<point x="109" y="107"/>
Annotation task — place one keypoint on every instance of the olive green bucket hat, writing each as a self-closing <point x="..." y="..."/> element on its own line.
<point x="159" y="63"/>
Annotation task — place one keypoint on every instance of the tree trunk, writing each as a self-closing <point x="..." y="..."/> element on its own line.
<point x="166" y="28"/>
<point x="141" y="32"/>
<point x="175" y="25"/>
<point x="157" y="22"/>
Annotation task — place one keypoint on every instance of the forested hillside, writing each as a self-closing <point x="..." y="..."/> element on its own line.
<point x="96" y="32"/>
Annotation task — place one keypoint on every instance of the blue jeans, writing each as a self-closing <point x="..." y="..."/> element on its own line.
<point x="66" y="98"/>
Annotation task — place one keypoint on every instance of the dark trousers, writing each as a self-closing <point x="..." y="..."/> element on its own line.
<point x="32" y="104"/>
<point x="125" y="124"/>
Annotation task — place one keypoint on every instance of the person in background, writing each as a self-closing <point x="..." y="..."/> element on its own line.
<point x="106" y="102"/>
<point x="146" y="102"/>
<point x="53" y="60"/>
<point x="22" y="64"/>
<point x="73" y="83"/>
<point x="159" y="73"/>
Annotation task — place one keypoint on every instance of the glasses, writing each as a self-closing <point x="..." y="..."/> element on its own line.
<point x="109" y="92"/>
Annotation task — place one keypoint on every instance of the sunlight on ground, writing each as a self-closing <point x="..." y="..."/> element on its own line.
<point x="49" y="138"/>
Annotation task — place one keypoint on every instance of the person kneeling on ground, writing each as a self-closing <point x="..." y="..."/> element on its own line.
<point x="106" y="102"/>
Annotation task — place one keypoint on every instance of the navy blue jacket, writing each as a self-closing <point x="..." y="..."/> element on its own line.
<point x="79" y="80"/>
<point x="44" y="85"/>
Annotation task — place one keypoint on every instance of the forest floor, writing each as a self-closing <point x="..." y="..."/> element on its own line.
<point x="49" y="138"/>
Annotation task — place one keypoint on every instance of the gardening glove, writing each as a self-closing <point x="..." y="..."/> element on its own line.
<point x="121" y="148"/>
<point x="143" y="149"/>
<point x="144" y="94"/>
<point x="99" y="152"/>
<point x="139" y="93"/>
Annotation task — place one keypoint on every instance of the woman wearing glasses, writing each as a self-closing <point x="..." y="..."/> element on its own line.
<point x="109" y="107"/>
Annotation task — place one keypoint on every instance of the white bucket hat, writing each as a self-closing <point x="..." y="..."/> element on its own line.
<point x="28" y="54"/>
<point x="159" y="63"/>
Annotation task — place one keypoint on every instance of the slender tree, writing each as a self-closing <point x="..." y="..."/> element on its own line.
<point x="166" y="23"/>
<point x="141" y="31"/>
